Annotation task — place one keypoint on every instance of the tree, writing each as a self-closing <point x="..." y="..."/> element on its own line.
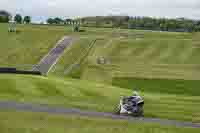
<point x="18" y="18"/>
<point x="68" y="21"/>
<point x="50" y="21"/>
<point x="58" y="20"/>
<point x="4" y="16"/>
<point x="27" y="19"/>
<point x="55" y="21"/>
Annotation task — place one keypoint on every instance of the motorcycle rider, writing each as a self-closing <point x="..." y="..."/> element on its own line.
<point x="131" y="105"/>
<point x="135" y="95"/>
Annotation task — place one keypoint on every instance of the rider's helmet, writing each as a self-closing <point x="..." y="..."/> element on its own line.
<point x="135" y="93"/>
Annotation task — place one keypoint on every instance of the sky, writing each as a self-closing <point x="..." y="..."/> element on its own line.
<point x="42" y="9"/>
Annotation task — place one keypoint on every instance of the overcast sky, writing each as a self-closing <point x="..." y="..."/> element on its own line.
<point x="41" y="9"/>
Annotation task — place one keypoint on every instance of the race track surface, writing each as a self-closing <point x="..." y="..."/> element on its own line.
<point x="52" y="57"/>
<point x="9" y="105"/>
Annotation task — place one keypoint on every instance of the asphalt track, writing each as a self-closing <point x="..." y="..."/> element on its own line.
<point x="9" y="105"/>
<point x="52" y="57"/>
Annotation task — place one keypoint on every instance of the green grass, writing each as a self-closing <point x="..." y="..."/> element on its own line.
<point x="131" y="53"/>
<point x="94" y="96"/>
<point x="74" y="55"/>
<point x="143" y="54"/>
<point x="79" y="51"/>
<point x="168" y="58"/>
<point x="23" y="122"/>
<point x="158" y="61"/>
<point x="184" y="87"/>
<point x="29" y="44"/>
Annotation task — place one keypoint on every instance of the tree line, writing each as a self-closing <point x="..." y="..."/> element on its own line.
<point x="144" y="23"/>
<point x="55" y="20"/>
<point x="58" y="20"/>
<point x="5" y="17"/>
<point x="127" y="22"/>
<point x="164" y="24"/>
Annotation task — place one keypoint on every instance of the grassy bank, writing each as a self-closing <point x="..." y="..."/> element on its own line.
<point x="22" y="122"/>
<point x="183" y="87"/>
<point x="29" y="44"/>
<point x="94" y="96"/>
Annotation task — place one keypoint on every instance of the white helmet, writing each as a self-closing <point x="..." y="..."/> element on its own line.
<point x="135" y="93"/>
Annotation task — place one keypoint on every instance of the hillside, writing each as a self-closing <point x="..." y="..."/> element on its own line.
<point x="163" y="66"/>
<point x="29" y="44"/>
<point x="154" y="55"/>
<point x="98" y="97"/>
<point x="126" y="53"/>
<point x="133" y="54"/>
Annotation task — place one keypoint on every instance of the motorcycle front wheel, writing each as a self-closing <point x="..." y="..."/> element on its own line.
<point x="117" y="109"/>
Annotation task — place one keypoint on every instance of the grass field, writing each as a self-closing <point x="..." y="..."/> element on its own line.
<point x="163" y="65"/>
<point x="132" y="53"/>
<point x="94" y="96"/>
<point x="152" y="56"/>
<point x="20" y="122"/>
<point x="29" y="44"/>
<point x="69" y="63"/>
<point x="185" y="87"/>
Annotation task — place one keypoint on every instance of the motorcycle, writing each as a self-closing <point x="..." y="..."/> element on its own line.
<point x="132" y="106"/>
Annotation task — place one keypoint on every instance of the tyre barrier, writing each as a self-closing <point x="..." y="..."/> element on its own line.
<point x="15" y="71"/>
